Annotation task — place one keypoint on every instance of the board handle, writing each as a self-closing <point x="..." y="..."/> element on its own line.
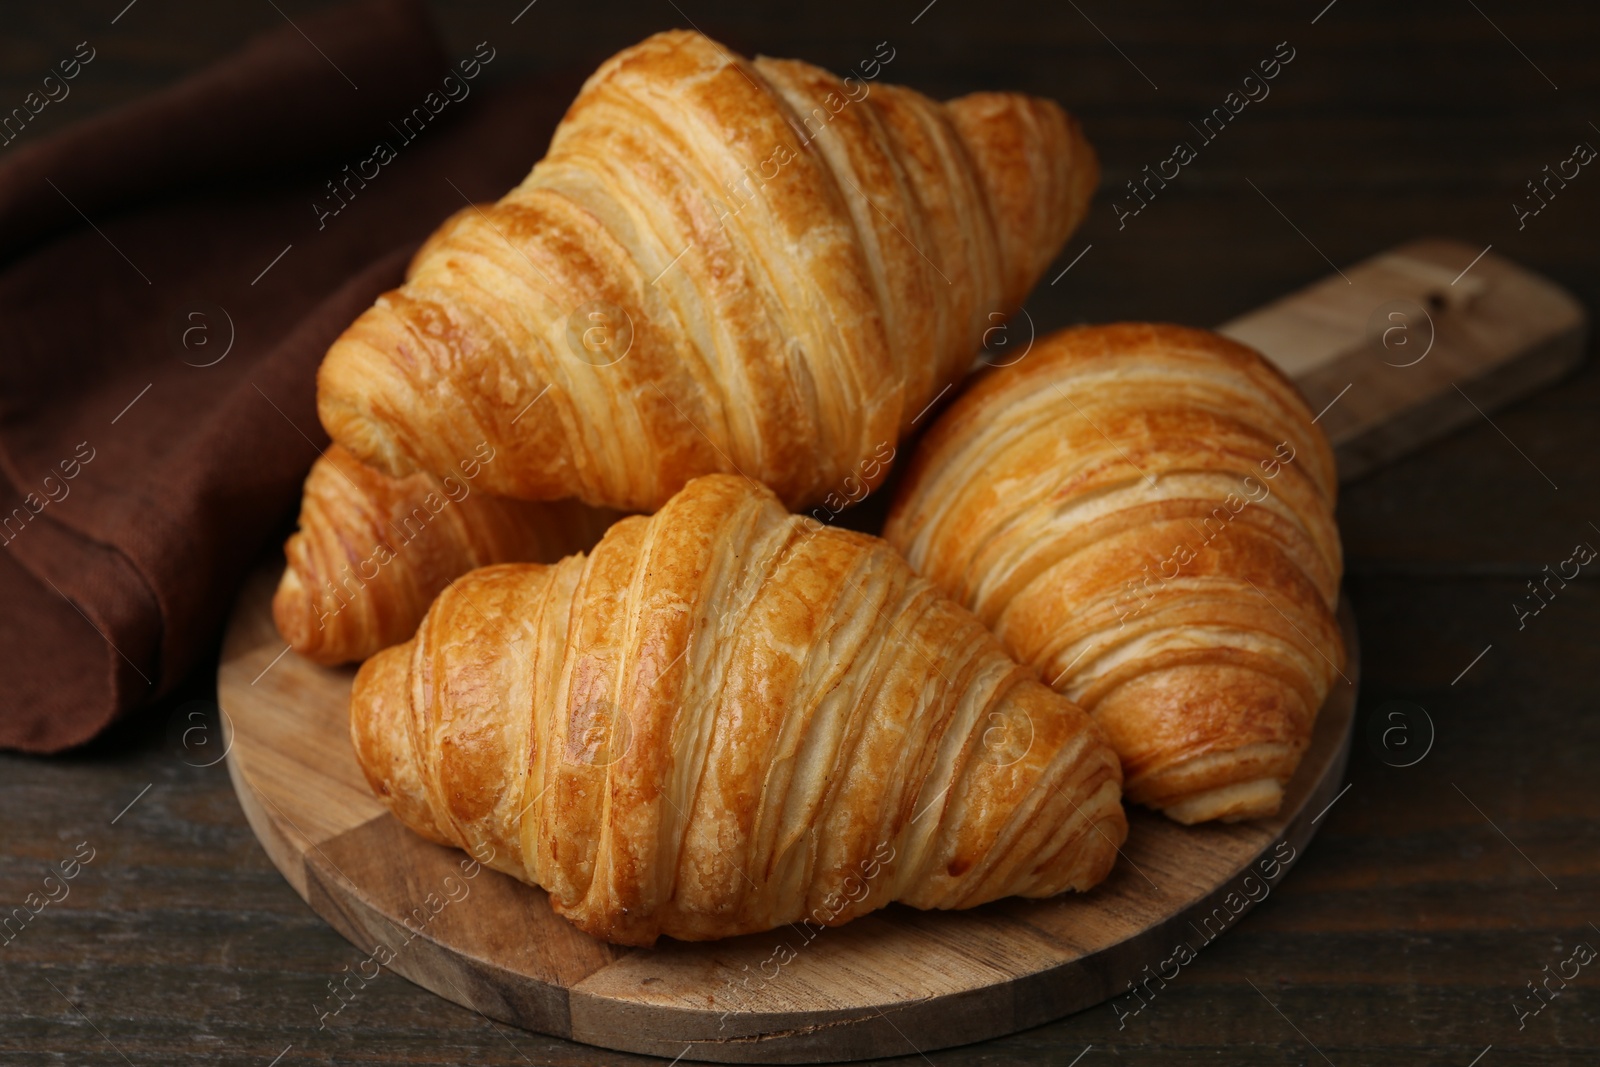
<point x="1404" y="347"/>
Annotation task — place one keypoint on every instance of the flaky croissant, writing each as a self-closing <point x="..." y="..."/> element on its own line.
<point x="720" y="265"/>
<point x="373" y="551"/>
<point x="1145" y="515"/>
<point x="725" y="719"/>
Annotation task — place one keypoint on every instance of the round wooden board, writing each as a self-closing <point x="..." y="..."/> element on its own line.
<point x="893" y="983"/>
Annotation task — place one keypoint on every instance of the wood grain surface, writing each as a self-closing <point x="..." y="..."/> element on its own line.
<point x="1434" y="892"/>
<point x="1388" y="349"/>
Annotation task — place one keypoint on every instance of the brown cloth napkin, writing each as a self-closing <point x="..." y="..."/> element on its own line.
<point x="170" y="276"/>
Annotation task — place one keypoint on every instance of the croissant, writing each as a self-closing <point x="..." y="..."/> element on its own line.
<point x="726" y="718"/>
<point x="373" y="551"/>
<point x="720" y="265"/>
<point x="1145" y="515"/>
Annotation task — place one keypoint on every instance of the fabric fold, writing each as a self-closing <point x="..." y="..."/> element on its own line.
<point x="170" y="277"/>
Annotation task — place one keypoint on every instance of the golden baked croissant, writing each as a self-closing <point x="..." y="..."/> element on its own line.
<point x="1145" y="515"/>
<point x="725" y="719"/>
<point x="373" y="551"/>
<point x="720" y="265"/>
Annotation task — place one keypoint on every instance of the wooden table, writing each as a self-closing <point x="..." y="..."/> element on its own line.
<point x="1433" y="893"/>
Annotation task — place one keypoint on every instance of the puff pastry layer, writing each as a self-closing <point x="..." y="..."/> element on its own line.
<point x="372" y="551"/>
<point x="725" y="719"/>
<point x="1145" y="515"/>
<point x="720" y="265"/>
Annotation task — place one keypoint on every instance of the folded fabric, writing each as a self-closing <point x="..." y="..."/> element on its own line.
<point x="170" y="275"/>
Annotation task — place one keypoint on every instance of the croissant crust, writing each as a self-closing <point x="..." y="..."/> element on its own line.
<point x="724" y="719"/>
<point x="720" y="265"/>
<point x="372" y="551"/>
<point x="1145" y="515"/>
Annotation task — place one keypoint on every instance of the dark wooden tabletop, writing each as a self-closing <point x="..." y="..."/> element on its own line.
<point x="1434" y="893"/>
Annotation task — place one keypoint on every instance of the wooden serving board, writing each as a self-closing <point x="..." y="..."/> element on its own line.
<point x="898" y="981"/>
<point x="892" y="983"/>
<point x="1406" y="346"/>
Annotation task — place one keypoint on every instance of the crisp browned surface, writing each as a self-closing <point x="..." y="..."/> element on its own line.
<point x="373" y="551"/>
<point x="725" y="719"/>
<point x="720" y="265"/>
<point x="1145" y="515"/>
